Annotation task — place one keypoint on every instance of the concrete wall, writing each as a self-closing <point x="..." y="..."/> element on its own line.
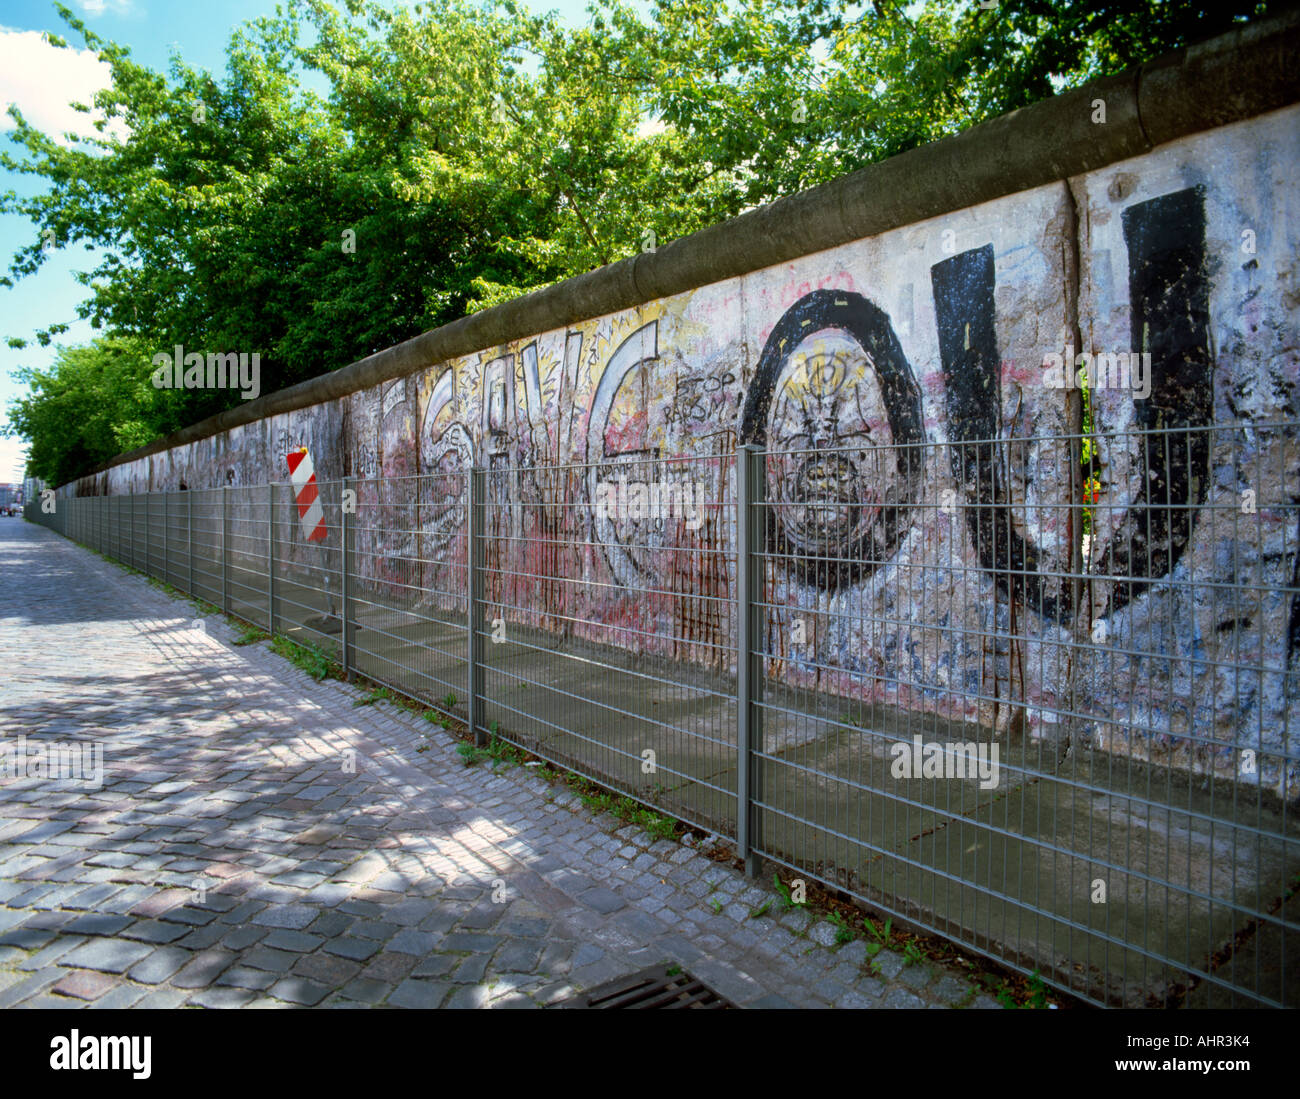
<point x="912" y="340"/>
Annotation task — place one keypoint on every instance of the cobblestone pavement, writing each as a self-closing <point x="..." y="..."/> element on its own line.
<point x="259" y="840"/>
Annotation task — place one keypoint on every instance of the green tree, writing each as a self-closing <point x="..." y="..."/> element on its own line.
<point x="93" y="403"/>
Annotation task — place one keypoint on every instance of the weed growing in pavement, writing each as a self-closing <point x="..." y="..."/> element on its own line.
<point x="251" y="635"/>
<point x="437" y="718"/>
<point x="843" y="932"/>
<point x="497" y="750"/>
<point x="501" y="751"/>
<point x="378" y="694"/>
<point x="881" y="936"/>
<point x="787" y="897"/>
<point x="1002" y="991"/>
<point x="312" y="659"/>
<point x="469" y="753"/>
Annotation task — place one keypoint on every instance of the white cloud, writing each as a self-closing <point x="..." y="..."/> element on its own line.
<point x="98" y="7"/>
<point x="43" y="79"/>
<point x="13" y="460"/>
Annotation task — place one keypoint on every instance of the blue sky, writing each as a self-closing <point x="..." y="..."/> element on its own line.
<point x="42" y="80"/>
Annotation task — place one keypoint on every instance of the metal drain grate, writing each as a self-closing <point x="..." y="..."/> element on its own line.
<point x="655" y="987"/>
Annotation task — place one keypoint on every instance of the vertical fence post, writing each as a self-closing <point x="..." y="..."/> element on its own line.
<point x="225" y="549"/>
<point x="189" y="540"/>
<point x="270" y="558"/>
<point x="750" y="487"/>
<point x="474" y="638"/>
<point x="345" y="563"/>
<point x="133" y="530"/>
<point x="166" y="569"/>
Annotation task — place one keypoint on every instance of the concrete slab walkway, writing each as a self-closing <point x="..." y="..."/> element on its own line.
<point x="255" y="838"/>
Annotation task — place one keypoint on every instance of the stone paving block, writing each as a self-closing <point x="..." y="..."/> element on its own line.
<point x="331" y="924"/>
<point x="773" y="1002"/>
<point x="120" y="998"/>
<point x="164" y="999"/>
<point x="348" y="947"/>
<point x="389" y="968"/>
<point x="915" y="976"/>
<point x="243" y="937"/>
<point x="374" y="929"/>
<point x="26" y="938"/>
<point x="161" y="902"/>
<point x="204" y="968"/>
<point x="436" y="965"/>
<point x="299" y="990"/>
<point x="366" y="992"/>
<point x="415" y="993"/>
<point x="471" y="970"/>
<point x="95" y="923"/>
<point x="829" y="989"/>
<point x="93" y="897"/>
<point x="160" y="965"/>
<point x="410" y="941"/>
<point x="296" y="941"/>
<point x="471" y="942"/>
<point x="597" y="973"/>
<point x="291" y="916"/>
<point x="221" y="997"/>
<point x="84" y="984"/>
<point x="238" y="976"/>
<point x="155" y="931"/>
<point x="985" y="1003"/>
<point x="823" y="933"/>
<point x="518" y="956"/>
<point x="468" y="997"/>
<point x="51" y="952"/>
<point x="273" y="961"/>
<point x="602" y="900"/>
<point x="243" y="913"/>
<point x="29" y="986"/>
<point x="107" y="955"/>
<point x="328" y="969"/>
<point x="952" y="990"/>
<point x="900" y="999"/>
<point x="888" y="964"/>
<point x="191" y="915"/>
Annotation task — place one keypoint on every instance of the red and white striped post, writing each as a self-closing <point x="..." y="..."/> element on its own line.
<point x="314" y="528"/>
<point x="306" y="495"/>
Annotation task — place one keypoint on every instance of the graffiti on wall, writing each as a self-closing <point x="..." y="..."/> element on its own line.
<point x="875" y="401"/>
<point x="836" y="403"/>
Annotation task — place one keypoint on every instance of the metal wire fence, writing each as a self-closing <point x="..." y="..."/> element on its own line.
<point x="1058" y="728"/>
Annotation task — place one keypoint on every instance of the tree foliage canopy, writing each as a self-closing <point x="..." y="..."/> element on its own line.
<point x="474" y="153"/>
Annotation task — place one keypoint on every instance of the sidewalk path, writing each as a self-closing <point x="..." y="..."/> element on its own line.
<point x="233" y="856"/>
